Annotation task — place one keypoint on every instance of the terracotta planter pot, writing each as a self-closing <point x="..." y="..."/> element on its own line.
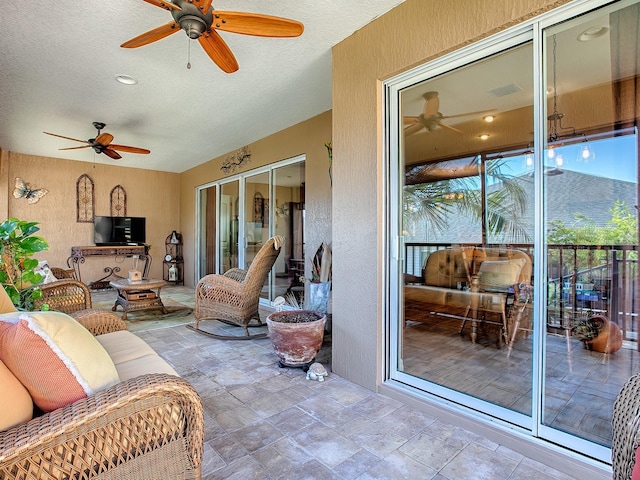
<point x="296" y="339"/>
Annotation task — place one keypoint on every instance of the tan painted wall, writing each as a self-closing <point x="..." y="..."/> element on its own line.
<point x="306" y="138"/>
<point x="151" y="194"/>
<point x="167" y="200"/>
<point x="414" y="32"/>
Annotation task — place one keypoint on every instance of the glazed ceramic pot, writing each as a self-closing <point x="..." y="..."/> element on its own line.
<point x="296" y="336"/>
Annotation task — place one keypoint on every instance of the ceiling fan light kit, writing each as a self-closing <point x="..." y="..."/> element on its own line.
<point x="200" y="21"/>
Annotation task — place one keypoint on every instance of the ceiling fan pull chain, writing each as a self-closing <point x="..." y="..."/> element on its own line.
<point x="189" y="48"/>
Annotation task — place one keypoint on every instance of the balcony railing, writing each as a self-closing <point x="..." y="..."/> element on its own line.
<point x="582" y="280"/>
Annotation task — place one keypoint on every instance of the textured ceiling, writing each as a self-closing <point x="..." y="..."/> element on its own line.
<point x="59" y="61"/>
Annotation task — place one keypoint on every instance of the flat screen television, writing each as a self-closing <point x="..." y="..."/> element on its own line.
<point x="119" y="230"/>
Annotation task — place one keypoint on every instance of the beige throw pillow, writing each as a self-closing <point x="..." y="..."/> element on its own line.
<point x="499" y="275"/>
<point x="16" y="405"/>
<point x="54" y="357"/>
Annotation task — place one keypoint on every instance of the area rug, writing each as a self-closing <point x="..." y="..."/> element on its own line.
<point x="177" y="314"/>
<point x="151" y="319"/>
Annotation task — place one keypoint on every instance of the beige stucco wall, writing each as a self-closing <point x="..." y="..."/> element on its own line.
<point x="306" y="138"/>
<point x="151" y="194"/>
<point x="411" y="34"/>
<point x="167" y="200"/>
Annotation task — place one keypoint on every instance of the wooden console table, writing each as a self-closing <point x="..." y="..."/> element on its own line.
<point x="79" y="254"/>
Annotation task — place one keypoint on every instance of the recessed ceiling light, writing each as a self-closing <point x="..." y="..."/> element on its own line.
<point x="126" y="79"/>
<point x="488" y="118"/>
<point x="484" y="136"/>
<point x="592" y="32"/>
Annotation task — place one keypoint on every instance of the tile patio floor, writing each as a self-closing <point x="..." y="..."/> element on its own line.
<point x="264" y="422"/>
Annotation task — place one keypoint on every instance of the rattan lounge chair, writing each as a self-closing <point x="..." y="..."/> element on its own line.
<point x="626" y="429"/>
<point x="233" y="297"/>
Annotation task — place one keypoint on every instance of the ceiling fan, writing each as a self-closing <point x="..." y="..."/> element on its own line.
<point x="431" y="118"/>
<point x="102" y="144"/>
<point x="199" y="20"/>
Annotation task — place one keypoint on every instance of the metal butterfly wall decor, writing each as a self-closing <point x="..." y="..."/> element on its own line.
<point x="33" y="195"/>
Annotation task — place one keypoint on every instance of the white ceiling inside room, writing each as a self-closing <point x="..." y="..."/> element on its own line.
<point x="59" y="62"/>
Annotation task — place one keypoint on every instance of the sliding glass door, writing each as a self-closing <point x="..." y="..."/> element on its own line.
<point x="590" y="200"/>
<point x="467" y="216"/>
<point x="237" y="216"/>
<point x="513" y="225"/>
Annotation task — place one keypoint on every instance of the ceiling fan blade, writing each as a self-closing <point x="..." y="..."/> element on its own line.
<point x="75" y="148"/>
<point x="415" y="128"/>
<point x="450" y="128"/>
<point x="218" y="51"/>
<point x="104" y="139"/>
<point x="256" y="24"/>
<point x="124" y="148"/>
<point x="203" y="5"/>
<point x="67" y="138"/>
<point x="410" y="120"/>
<point x="480" y="112"/>
<point x="111" y="153"/>
<point x="152" y="35"/>
<point x="432" y="105"/>
<point x="164" y="5"/>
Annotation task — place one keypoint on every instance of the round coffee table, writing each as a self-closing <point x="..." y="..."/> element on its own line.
<point x="138" y="295"/>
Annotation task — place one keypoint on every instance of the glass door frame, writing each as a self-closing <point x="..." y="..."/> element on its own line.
<point x="532" y="427"/>
<point x="242" y="238"/>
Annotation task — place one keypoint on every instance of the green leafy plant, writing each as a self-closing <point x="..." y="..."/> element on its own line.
<point x="17" y="246"/>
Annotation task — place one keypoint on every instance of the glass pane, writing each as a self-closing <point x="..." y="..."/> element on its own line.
<point x="229" y="225"/>
<point x="467" y="224"/>
<point x="289" y="222"/>
<point x="207" y="236"/>
<point x="590" y="199"/>
<point x="256" y="219"/>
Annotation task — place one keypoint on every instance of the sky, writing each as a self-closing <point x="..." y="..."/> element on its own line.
<point x="610" y="157"/>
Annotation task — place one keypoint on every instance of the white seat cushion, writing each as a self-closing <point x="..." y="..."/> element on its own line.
<point x="123" y="346"/>
<point x="151" y="363"/>
<point x="132" y="356"/>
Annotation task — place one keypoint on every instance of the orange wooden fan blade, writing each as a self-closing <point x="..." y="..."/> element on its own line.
<point x="411" y="129"/>
<point x="67" y="138"/>
<point x="479" y="112"/>
<point x="75" y="148"/>
<point x="450" y="128"/>
<point x="256" y="24"/>
<point x="124" y="148"/>
<point x="104" y="139"/>
<point x="165" y="5"/>
<point x="218" y="51"/>
<point x="152" y="35"/>
<point x="111" y="153"/>
<point x="410" y="120"/>
<point x="203" y="5"/>
<point x="432" y="105"/>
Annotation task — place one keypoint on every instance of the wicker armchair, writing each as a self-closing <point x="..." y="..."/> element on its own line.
<point x="147" y="427"/>
<point x="66" y="296"/>
<point x="61" y="273"/>
<point x="233" y="298"/>
<point x="626" y="429"/>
